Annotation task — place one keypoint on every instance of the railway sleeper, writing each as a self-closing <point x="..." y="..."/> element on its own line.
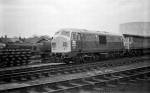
<point x="146" y="77"/>
<point x="141" y="79"/>
<point x="42" y="75"/>
<point x="13" y="79"/>
<point x="38" y="75"/>
<point x="52" y="88"/>
<point x="37" y="89"/>
<point x="48" y="89"/>
<point x="110" y="76"/>
<point x="112" y="84"/>
<point x="89" y="81"/>
<point x="46" y="74"/>
<point x="23" y="78"/>
<point x="131" y="82"/>
<point x="122" y="82"/>
<point x="30" y="77"/>
<point x="78" y="82"/>
<point x="99" y="79"/>
<point x="64" y="85"/>
<point x="99" y="88"/>
<point x="2" y="81"/>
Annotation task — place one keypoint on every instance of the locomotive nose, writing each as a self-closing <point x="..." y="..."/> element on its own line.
<point x="60" y="45"/>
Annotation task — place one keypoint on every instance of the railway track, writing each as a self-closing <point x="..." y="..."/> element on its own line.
<point x="31" y="73"/>
<point x="98" y="81"/>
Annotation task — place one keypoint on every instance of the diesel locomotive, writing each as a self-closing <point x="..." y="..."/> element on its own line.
<point x="81" y="45"/>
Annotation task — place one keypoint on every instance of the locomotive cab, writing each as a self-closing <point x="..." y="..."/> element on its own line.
<point x="66" y="43"/>
<point x="61" y="42"/>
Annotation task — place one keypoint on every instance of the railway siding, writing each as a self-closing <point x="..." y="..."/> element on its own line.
<point x="68" y="77"/>
<point x="39" y="71"/>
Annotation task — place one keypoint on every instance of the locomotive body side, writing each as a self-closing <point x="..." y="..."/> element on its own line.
<point x="96" y="42"/>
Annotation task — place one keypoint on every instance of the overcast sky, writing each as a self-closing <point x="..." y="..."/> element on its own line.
<point x="44" y="17"/>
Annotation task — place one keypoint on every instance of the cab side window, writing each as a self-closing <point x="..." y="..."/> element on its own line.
<point x="102" y="39"/>
<point x="79" y="36"/>
<point x="74" y="36"/>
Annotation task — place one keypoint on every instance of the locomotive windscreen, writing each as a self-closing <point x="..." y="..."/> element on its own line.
<point x="65" y="33"/>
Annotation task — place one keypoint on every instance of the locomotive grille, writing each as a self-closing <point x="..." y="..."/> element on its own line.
<point x="65" y="44"/>
<point x="53" y="45"/>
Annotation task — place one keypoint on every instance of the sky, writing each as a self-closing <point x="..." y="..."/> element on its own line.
<point x="44" y="17"/>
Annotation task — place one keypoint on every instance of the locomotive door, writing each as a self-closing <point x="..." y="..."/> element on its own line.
<point x="79" y="39"/>
<point x="76" y="41"/>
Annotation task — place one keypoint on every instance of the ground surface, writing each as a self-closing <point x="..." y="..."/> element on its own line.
<point x="139" y="87"/>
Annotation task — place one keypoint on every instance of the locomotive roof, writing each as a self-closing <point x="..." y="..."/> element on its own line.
<point x="89" y="31"/>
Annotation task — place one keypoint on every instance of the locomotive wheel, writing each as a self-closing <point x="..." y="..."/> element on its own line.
<point x="65" y="60"/>
<point x="96" y="58"/>
<point x="88" y="59"/>
<point x="77" y="59"/>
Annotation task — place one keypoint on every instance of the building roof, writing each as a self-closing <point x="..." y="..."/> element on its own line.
<point x="136" y="28"/>
<point x="138" y="36"/>
<point x="34" y="40"/>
